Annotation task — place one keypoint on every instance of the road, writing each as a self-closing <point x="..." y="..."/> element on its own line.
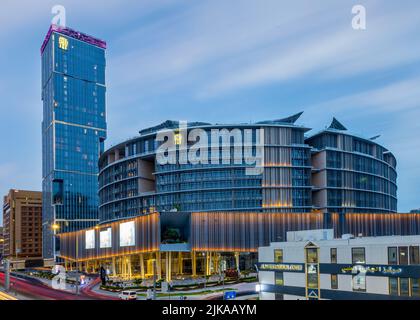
<point x="35" y="289"/>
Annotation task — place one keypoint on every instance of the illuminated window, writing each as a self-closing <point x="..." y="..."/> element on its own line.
<point x="358" y="255"/>
<point x="334" y="281"/>
<point x="393" y="286"/>
<point x="278" y="256"/>
<point x="178" y="139"/>
<point x="333" y="254"/>
<point x="404" y="287"/>
<point x="403" y="255"/>
<point x="279" y="278"/>
<point x="312" y="255"/>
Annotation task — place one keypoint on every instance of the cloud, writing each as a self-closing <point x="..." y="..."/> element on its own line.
<point x="327" y="53"/>
<point x="214" y="48"/>
<point x="398" y="96"/>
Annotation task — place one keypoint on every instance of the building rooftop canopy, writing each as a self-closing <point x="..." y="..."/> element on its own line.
<point x="172" y="124"/>
<point x="337" y="125"/>
<point x="288" y="120"/>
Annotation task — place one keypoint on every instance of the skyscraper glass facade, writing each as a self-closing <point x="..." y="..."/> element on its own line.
<point x="73" y="130"/>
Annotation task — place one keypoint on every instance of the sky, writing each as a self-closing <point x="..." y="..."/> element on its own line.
<point x="224" y="62"/>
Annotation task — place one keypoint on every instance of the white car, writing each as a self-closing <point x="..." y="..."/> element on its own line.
<point x="128" y="295"/>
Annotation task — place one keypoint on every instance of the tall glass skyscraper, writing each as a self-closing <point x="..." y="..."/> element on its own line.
<point x="73" y="131"/>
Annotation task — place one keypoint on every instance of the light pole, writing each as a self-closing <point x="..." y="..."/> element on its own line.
<point x="154" y="280"/>
<point x="7" y="276"/>
<point x="77" y="264"/>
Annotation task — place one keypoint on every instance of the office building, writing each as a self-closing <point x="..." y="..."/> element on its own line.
<point x="1" y="243"/>
<point x="73" y="131"/>
<point x="22" y="228"/>
<point x="314" y="265"/>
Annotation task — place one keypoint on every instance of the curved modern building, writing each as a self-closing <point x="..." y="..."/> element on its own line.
<point x="133" y="182"/>
<point x="199" y="198"/>
<point x="351" y="173"/>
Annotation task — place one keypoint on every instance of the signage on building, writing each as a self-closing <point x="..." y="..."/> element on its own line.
<point x="408" y="271"/>
<point x="313" y="294"/>
<point x="63" y="43"/>
<point x="291" y="267"/>
<point x="385" y="270"/>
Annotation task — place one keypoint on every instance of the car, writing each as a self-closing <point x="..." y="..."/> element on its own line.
<point x="128" y="295"/>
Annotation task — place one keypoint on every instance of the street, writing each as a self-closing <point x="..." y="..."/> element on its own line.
<point x="33" y="289"/>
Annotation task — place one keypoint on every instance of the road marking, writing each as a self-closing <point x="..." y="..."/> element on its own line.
<point x="5" y="296"/>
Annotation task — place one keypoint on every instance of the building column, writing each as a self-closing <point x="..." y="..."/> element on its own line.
<point x="180" y="264"/>
<point x="129" y="269"/>
<point x="168" y="266"/>
<point x="216" y="263"/>
<point x="211" y="263"/>
<point x="194" y="263"/>
<point x="121" y="266"/>
<point x="158" y="265"/>
<point x="142" y="265"/>
<point x="237" y="262"/>
<point x="114" y="271"/>
<point x="206" y="270"/>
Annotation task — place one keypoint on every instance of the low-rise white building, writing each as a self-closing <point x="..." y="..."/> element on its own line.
<point x="314" y="265"/>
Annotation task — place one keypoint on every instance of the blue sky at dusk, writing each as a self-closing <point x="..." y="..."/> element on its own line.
<point x="224" y="62"/>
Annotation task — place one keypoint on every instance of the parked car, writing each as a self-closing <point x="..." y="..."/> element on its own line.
<point x="128" y="295"/>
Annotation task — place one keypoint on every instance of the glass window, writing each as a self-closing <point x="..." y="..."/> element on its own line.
<point x="334" y="281"/>
<point x="333" y="254"/>
<point x="312" y="281"/>
<point x="414" y="255"/>
<point x="415" y="288"/>
<point x="403" y="254"/>
<point x="279" y="279"/>
<point x="393" y="286"/>
<point x="358" y="255"/>
<point x="278" y="255"/>
<point x="404" y="287"/>
<point x="312" y="255"/>
<point x="392" y="255"/>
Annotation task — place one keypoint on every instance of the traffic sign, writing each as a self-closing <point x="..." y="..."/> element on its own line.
<point x="229" y="295"/>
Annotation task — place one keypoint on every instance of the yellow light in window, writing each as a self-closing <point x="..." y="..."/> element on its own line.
<point x="178" y="139"/>
<point x="63" y="43"/>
